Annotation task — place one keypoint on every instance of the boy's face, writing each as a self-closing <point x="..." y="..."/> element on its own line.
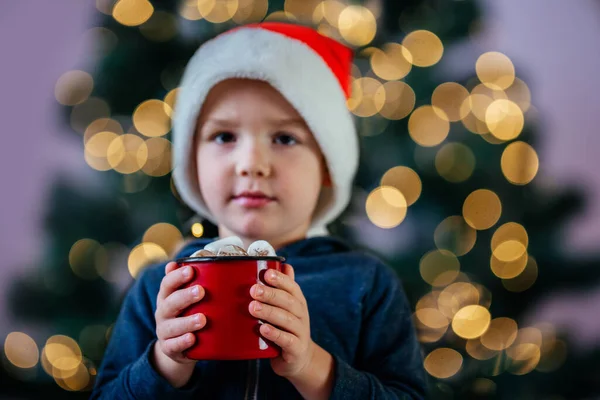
<point x="249" y="138"/>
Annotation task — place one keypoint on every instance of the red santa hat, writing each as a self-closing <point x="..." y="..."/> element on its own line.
<point x="310" y="70"/>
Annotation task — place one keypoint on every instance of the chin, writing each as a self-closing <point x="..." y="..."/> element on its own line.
<point x="253" y="228"/>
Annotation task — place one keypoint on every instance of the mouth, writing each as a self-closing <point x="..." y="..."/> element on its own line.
<point x="252" y="199"/>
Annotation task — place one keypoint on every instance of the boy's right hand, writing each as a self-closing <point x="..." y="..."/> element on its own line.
<point x="174" y="332"/>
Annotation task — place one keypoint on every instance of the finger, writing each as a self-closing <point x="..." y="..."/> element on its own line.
<point x="285" y="340"/>
<point x="175" y="346"/>
<point x="171" y="266"/>
<point x="284" y="282"/>
<point x="289" y="271"/>
<point x="179" y="326"/>
<point x="276" y="316"/>
<point x="279" y="298"/>
<point x="177" y="301"/>
<point x="174" y="278"/>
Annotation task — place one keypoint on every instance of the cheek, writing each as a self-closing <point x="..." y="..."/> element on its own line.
<point x="210" y="175"/>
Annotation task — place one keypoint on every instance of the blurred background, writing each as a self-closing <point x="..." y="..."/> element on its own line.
<point x="478" y="181"/>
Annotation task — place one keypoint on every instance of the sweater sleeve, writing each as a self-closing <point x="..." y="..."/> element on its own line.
<point x="126" y="371"/>
<point x="389" y="363"/>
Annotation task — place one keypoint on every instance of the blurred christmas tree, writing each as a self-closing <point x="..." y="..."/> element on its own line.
<point x="446" y="179"/>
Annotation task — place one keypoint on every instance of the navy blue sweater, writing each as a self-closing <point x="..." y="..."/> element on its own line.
<point x="358" y="313"/>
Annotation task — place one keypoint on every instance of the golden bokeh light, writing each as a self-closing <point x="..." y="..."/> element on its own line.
<point x="357" y="25"/>
<point x="329" y="10"/>
<point x="450" y="97"/>
<point x="83" y="114"/>
<point x="399" y="100"/>
<point x="132" y="12"/>
<point x="127" y="153"/>
<point x="425" y="47"/>
<point x="386" y="207"/>
<point x="161" y="27"/>
<point x="367" y="98"/>
<point x="428" y="300"/>
<point x="77" y="381"/>
<point x="478" y="351"/>
<point x="197" y="229"/>
<point x="471" y="122"/>
<point x="152" y="118"/>
<point x="302" y="9"/>
<point x="61" y="356"/>
<point x="457" y="296"/>
<point x="426" y="334"/>
<point x="217" y="11"/>
<point x="427" y="126"/>
<point x="443" y="363"/>
<point x="501" y="334"/>
<point x="158" y="162"/>
<point x="167" y="236"/>
<point x="87" y="257"/>
<point x="520" y="163"/>
<point x="509" y="269"/>
<point x="529" y="334"/>
<point x="96" y="150"/>
<point x="520" y="94"/>
<point x="525" y="279"/>
<point x="170" y="100"/>
<point x="102" y="125"/>
<point x="495" y="70"/>
<point x="406" y="180"/>
<point x="188" y="9"/>
<point x="482" y="209"/>
<point x="455" y="235"/>
<point x="480" y="99"/>
<point x="21" y="350"/>
<point x="504" y="119"/>
<point x="439" y="267"/>
<point x="524" y="358"/>
<point x="250" y="11"/>
<point x="432" y="318"/>
<point x="143" y="255"/>
<point x="455" y="162"/>
<point x="73" y="87"/>
<point x="471" y="321"/>
<point x="391" y="63"/>
<point x="509" y="242"/>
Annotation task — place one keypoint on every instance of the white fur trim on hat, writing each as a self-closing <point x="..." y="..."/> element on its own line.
<point x="302" y="77"/>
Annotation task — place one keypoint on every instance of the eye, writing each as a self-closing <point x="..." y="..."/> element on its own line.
<point x="285" y="139"/>
<point x="223" y="137"/>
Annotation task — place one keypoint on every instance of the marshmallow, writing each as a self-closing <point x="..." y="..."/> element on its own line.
<point x="217" y="244"/>
<point x="261" y="248"/>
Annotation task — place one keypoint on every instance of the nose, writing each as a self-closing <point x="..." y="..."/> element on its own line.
<point x="253" y="161"/>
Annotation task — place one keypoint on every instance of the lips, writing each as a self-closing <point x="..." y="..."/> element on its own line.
<point x="253" y="195"/>
<point x="252" y="199"/>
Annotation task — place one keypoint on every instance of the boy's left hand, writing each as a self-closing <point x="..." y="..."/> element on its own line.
<point x="284" y="307"/>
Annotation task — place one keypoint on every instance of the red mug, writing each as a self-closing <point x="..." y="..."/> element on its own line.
<point x="231" y="332"/>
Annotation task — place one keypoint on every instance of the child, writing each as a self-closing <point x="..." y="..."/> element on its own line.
<point x="265" y="148"/>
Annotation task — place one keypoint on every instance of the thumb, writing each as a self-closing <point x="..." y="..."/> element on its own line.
<point x="288" y="270"/>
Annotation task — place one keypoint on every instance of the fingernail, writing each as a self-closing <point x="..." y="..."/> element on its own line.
<point x="257" y="306"/>
<point x="272" y="274"/>
<point x="187" y="271"/>
<point x="197" y="320"/>
<point x="196" y="291"/>
<point x="258" y="290"/>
